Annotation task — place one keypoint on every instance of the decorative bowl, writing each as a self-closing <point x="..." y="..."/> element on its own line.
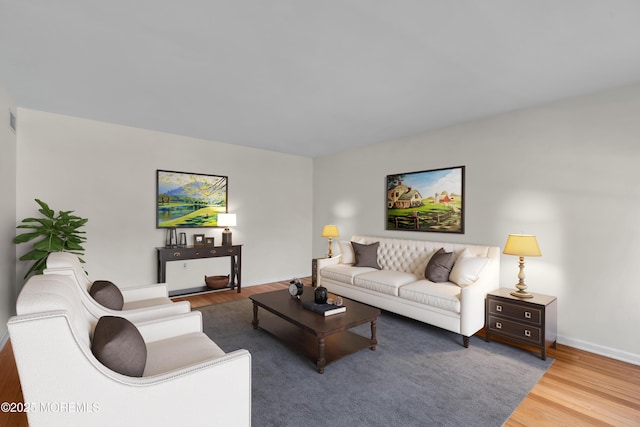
<point x="216" y="282"/>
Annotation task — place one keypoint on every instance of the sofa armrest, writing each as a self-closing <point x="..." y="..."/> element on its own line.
<point x="325" y="262"/>
<point x="472" y="298"/>
<point x="161" y="329"/>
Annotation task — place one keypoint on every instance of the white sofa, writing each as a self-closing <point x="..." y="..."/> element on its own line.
<point x="400" y="286"/>
<point x="187" y="379"/>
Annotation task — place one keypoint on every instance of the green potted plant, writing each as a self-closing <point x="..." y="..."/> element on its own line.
<point x="60" y="233"/>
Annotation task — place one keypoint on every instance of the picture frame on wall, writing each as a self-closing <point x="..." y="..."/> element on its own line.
<point x="428" y="201"/>
<point x="185" y="199"/>
<point x="198" y="240"/>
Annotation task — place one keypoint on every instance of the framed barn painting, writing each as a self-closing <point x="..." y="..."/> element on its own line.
<point x="431" y="200"/>
<point x="189" y="199"/>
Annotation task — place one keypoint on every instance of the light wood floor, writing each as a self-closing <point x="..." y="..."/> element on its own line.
<point x="579" y="389"/>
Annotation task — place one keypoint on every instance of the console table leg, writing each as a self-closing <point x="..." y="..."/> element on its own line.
<point x="255" y="317"/>
<point x="374" y="340"/>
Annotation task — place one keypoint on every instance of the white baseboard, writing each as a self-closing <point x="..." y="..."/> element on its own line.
<point x="601" y="350"/>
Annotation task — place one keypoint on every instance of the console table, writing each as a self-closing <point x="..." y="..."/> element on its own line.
<point x="194" y="252"/>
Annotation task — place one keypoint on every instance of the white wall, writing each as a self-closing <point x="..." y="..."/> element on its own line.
<point x="567" y="172"/>
<point x="7" y="214"/>
<point x="107" y="173"/>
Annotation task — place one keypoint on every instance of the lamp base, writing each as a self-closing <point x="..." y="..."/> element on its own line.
<point x="226" y="237"/>
<point x="521" y="294"/>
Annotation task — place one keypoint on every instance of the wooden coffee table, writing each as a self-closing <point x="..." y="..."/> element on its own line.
<point x="322" y="339"/>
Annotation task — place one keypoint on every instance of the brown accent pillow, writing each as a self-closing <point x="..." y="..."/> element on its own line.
<point x="366" y="255"/>
<point x="107" y="294"/>
<point x="119" y="346"/>
<point x="439" y="266"/>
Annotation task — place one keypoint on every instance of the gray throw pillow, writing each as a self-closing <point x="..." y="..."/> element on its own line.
<point x="119" y="346"/>
<point x="439" y="266"/>
<point x="366" y="255"/>
<point x="107" y="294"/>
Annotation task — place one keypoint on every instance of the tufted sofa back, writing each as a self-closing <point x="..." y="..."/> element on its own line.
<point x="412" y="256"/>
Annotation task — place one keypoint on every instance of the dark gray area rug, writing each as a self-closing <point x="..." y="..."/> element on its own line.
<point x="419" y="375"/>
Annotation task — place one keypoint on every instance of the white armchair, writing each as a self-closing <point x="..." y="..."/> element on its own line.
<point x="188" y="379"/>
<point x="141" y="303"/>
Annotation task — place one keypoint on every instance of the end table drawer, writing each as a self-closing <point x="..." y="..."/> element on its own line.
<point x="516" y="330"/>
<point x="515" y="311"/>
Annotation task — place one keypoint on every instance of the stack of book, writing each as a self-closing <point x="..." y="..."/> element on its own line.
<point x="324" y="309"/>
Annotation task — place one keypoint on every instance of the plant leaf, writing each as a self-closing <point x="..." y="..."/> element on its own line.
<point x="25" y="237"/>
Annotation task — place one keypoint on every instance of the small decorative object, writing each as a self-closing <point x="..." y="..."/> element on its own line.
<point x="338" y="301"/>
<point x="296" y="288"/>
<point x="521" y="245"/>
<point x="182" y="240"/>
<point x="330" y="231"/>
<point x="216" y="282"/>
<point x="170" y="240"/>
<point x="226" y="220"/>
<point x="320" y="295"/>
<point x="198" y="240"/>
<point x="209" y="241"/>
<point x="431" y="201"/>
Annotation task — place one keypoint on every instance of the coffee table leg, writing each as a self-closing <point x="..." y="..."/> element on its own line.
<point x="374" y="341"/>
<point x="322" y="362"/>
<point x="255" y="316"/>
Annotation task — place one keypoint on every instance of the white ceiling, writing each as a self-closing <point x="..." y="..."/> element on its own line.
<point x="310" y="77"/>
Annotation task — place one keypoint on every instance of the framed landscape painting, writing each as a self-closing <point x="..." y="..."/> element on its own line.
<point x="189" y="199"/>
<point x="431" y="200"/>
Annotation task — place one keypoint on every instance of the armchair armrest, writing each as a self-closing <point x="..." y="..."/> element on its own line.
<point x="144" y="314"/>
<point x="137" y="293"/>
<point x="161" y="329"/>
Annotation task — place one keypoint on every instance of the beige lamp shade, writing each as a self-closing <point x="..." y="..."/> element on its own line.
<point x="522" y="245"/>
<point x="330" y="231"/>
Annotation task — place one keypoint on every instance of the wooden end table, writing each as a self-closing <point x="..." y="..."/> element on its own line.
<point x="530" y="321"/>
<point x="322" y="339"/>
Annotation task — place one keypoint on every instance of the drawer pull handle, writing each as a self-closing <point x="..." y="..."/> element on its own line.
<point x="197" y="253"/>
<point x="177" y="254"/>
<point x="527" y="333"/>
<point x="498" y="325"/>
<point x="212" y="251"/>
<point x="527" y="315"/>
<point x="499" y="308"/>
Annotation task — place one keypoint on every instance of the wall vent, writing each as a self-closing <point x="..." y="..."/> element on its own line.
<point x="12" y="121"/>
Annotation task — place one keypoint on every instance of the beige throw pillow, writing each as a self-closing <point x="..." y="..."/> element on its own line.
<point x="467" y="268"/>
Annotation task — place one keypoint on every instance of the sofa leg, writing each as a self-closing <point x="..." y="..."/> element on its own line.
<point x="465" y="341"/>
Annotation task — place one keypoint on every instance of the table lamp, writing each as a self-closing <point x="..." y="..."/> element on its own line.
<point x="226" y="220"/>
<point x="521" y="245"/>
<point x="330" y="231"/>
